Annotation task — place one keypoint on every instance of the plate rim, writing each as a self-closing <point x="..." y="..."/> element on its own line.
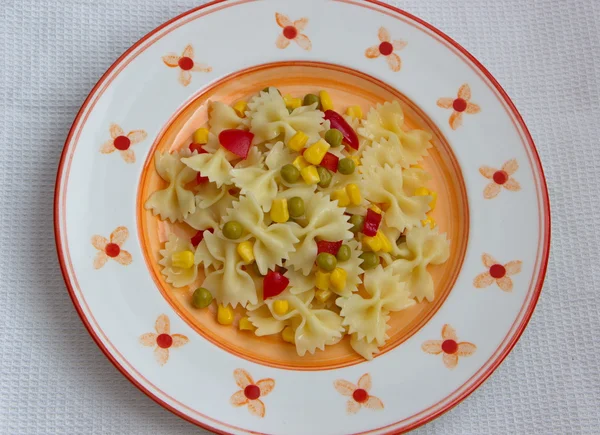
<point x="545" y="254"/>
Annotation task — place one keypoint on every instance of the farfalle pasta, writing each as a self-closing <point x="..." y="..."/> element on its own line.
<point x="300" y="222"/>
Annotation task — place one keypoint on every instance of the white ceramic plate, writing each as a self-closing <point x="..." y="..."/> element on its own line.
<point x="494" y="206"/>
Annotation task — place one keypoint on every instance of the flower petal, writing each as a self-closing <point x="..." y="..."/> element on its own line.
<point x="434" y="347"/>
<point x="491" y="190"/>
<point x="483" y="280"/>
<point x="283" y="20"/>
<point x="487" y="171"/>
<point x="488" y="261"/>
<point x="365" y="382"/>
<point x="238" y="399"/>
<point x="148" y="339"/>
<point x="162" y="324"/>
<point x="455" y="120"/>
<point x="448" y="332"/>
<point x="201" y="67"/>
<point x="171" y="60"/>
<point x="399" y="44"/>
<point x="343" y="387"/>
<point x="119" y="235"/>
<point x="185" y="77"/>
<point x="373" y="52"/>
<point x="256" y="407"/>
<point x="505" y="283"/>
<point x="303" y="41"/>
<point x="466" y="349"/>
<point x="136" y="136"/>
<point x="512" y="185"/>
<point x="472" y="108"/>
<point x="99" y="242"/>
<point x="464" y="92"/>
<point x="352" y="406"/>
<point x="161" y="355"/>
<point x="124" y="258"/>
<point x="108" y="147"/>
<point x="282" y="42"/>
<point x="188" y="51"/>
<point x="513" y="267"/>
<point x="179" y="340"/>
<point x="511" y="166"/>
<point x="300" y="24"/>
<point x="384" y="35"/>
<point x="394" y="62"/>
<point x="116" y="131"/>
<point x="373" y="403"/>
<point x="100" y="260"/>
<point x="450" y="360"/>
<point x="266" y="386"/>
<point x="128" y="156"/>
<point x="445" y="102"/>
<point x="242" y="378"/>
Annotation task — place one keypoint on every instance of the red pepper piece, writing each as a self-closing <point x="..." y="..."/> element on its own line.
<point x="199" y="236"/>
<point x="274" y="284"/>
<point x="337" y="121"/>
<point x="200" y="179"/>
<point x="330" y="161"/>
<point x="197" y="147"/>
<point x="329" y="247"/>
<point x="236" y="141"/>
<point x="372" y="222"/>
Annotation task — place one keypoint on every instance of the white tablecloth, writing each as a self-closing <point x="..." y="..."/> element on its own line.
<point x="54" y="379"/>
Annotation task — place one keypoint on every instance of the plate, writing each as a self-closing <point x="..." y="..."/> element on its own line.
<point x="493" y="204"/>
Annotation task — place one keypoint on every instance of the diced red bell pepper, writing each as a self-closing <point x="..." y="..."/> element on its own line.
<point x="330" y="161"/>
<point x="329" y="247"/>
<point x="199" y="236"/>
<point x="274" y="284"/>
<point x="372" y="222"/>
<point x="236" y="141"/>
<point x="200" y="179"/>
<point x="337" y="121"/>
<point x="197" y="147"/>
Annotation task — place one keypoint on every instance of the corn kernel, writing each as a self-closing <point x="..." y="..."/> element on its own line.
<point x="429" y="221"/>
<point x="326" y="101"/>
<point x="183" y="259"/>
<point x="246" y="325"/>
<point x="297" y="141"/>
<point x="240" y="108"/>
<point x="338" y="279"/>
<point x="246" y="251"/>
<point x="315" y="153"/>
<point x="281" y="307"/>
<point x="323" y="295"/>
<point x="354" y="194"/>
<point x="375" y="209"/>
<point x="288" y="335"/>
<point x="421" y="191"/>
<point x="342" y="197"/>
<point x="433" y="201"/>
<point x="291" y="102"/>
<point x="356" y="160"/>
<point x="373" y="243"/>
<point x="201" y="136"/>
<point x="355" y="112"/>
<point x="322" y="280"/>
<point x="386" y="245"/>
<point x="416" y="167"/>
<point x="279" y="211"/>
<point x="310" y="175"/>
<point x="300" y="163"/>
<point x="224" y="314"/>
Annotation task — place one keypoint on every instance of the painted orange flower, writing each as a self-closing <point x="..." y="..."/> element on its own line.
<point x="450" y="347"/>
<point x="251" y="392"/>
<point x="387" y="48"/>
<point x="163" y="340"/>
<point x="291" y="32"/>
<point x="186" y="64"/>
<point x="111" y="249"/>
<point x="499" y="273"/>
<point x="122" y="143"/>
<point x="500" y="178"/>
<point x="459" y="105"/>
<point x="358" y="394"/>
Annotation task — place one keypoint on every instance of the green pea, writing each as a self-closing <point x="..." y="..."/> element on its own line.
<point x="311" y="99"/>
<point x="334" y="137"/>
<point x="370" y="260"/>
<point x="346" y="166"/>
<point x="232" y="230"/>
<point x="357" y="222"/>
<point x="290" y="173"/>
<point x="326" y="261"/>
<point x="324" y="176"/>
<point x="201" y="298"/>
<point x="296" y="206"/>
<point x="268" y="88"/>
<point x="344" y="253"/>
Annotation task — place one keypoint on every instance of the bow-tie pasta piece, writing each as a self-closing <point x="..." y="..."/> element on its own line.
<point x="178" y="276"/>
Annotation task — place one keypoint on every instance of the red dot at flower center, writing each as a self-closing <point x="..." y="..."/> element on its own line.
<point x="164" y="340"/>
<point x="386" y="48"/>
<point x="497" y="271"/>
<point x="449" y="346"/>
<point x="360" y="395"/>
<point x="500" y="177"/>
<point x="122" y="143"/>
<point x="185" y="63"/>
<point x="252" y="392"/>
<point x="112" y="250"/>
<point x="459" y="105"/>
<point x="290" y="32"/>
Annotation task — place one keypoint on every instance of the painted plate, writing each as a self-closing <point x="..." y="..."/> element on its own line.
<point x="493" y="204"/>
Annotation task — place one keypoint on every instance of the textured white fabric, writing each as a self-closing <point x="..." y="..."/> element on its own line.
<point x="53" y="378"/>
